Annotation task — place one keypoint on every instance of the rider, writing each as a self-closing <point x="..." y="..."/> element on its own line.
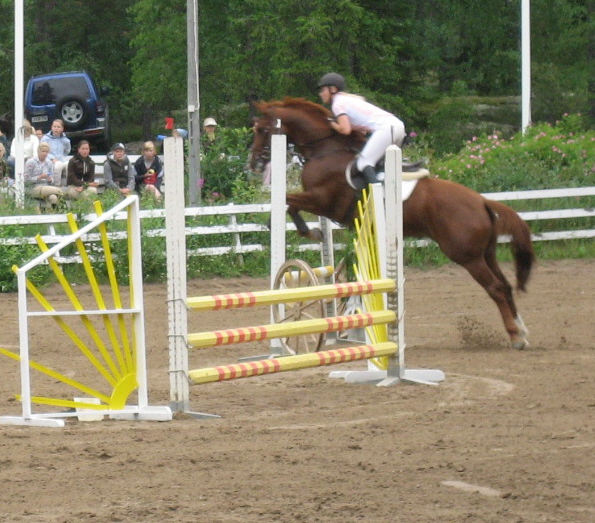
<point x="352" y="112"/>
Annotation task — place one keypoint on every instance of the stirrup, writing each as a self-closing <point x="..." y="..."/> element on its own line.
<point x="359" y="180"/>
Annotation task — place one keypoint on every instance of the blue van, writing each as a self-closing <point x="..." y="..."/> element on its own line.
<point x="73" y="97"/>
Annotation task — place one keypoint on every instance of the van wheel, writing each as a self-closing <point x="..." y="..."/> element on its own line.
<point x="73" y="111"/>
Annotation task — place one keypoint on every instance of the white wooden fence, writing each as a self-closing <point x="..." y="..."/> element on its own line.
<point x="237" y="225"/>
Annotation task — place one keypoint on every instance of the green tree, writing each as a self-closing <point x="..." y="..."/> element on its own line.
<point x="159" y="63"/>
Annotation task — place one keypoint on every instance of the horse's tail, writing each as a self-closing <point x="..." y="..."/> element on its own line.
<point x="509" y="222"/>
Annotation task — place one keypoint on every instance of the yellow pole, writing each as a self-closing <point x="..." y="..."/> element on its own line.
<point x="272" y="297"/>
<point x="289" y="363"/>
<point x="296" y="328"/>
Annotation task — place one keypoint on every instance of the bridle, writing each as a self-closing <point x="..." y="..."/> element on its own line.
<point x="303" y="148"/>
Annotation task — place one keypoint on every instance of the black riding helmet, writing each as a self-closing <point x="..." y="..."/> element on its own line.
<point x="332" y="79"/>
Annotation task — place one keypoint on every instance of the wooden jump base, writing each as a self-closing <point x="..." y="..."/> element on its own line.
<point x="109" y="335"/>
<point x="290" y="363"/>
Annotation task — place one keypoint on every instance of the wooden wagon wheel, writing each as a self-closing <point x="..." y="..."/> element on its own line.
<point x="292" y="274"/>
<point x="346" y="305"/>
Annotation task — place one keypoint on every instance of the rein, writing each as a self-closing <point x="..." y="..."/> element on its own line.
<point x="312" y="143"/>
<point x="303" y="148"/>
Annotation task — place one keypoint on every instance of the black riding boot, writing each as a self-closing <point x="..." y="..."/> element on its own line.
<point x="361" y="179"/>
<point x="370" y="174"/>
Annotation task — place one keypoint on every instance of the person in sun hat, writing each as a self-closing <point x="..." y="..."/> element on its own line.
<point x="208" y="136"/>
<point x="118" y="172"/>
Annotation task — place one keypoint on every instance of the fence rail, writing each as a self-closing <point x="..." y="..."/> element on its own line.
<point x="237" y="237"/>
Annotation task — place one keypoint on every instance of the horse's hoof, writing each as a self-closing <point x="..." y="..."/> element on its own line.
<point x="519" y="343"/>
<point x="523" y="331"/>
<point x="316" y="235"/>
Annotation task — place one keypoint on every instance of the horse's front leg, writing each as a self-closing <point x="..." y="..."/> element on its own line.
<point x="303" y="201"/>
<point x="302" y="227"/>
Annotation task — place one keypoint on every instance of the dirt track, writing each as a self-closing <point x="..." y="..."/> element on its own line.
<point x="508" y="437"/>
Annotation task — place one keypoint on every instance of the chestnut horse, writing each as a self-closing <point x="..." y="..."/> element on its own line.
<point x="464" y="224"/>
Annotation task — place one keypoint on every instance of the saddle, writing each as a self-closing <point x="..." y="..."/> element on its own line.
<point x="410" y="171"/>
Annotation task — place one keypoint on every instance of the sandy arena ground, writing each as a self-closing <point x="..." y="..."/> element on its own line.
<point x="508" y="437"/>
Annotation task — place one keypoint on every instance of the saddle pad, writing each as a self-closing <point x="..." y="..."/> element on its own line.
<point x="409" y="179"/>
<point x="408" y="186"/>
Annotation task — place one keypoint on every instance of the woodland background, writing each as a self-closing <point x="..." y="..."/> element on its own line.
<point x="441" y="65"/>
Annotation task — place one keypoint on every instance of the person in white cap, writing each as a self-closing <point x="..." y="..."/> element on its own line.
<point x="118" y="171"/>
<point x="208" y="134"/>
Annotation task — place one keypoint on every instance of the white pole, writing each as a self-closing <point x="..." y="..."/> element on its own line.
<point x="135" y="270"/>
<point x="525" y="64"/>
<point x="175" y="224"/>
<point x="278" y="214"/>
<point x="19" y="20"/>
<point x="393" y="188"/>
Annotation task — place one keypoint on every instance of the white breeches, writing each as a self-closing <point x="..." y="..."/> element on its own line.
<point x="377" y="143"/>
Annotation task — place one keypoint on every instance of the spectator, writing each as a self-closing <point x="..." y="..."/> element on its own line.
<point x="30" y="145"/>
<point x="59" y="149"/>
<point x="38" y="133"/>
<point x="208" y="134"/>
<point x="38" y="177"/>
<point x="3" y="139"/>
<point x="149" y="171"/>
<point x="81" y="174"/>
<point x="118" y="172"/>
<point x="4" y="171"/>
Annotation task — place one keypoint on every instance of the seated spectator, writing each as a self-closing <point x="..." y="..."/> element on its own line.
<point x="149" y="171"/>
<point x="38" y="177"/>
<point x="4" y="171"/>
<point x="30" y="144"/>
<point x="59" y="149"/>
<point x="118" y="172"/>
<point x="3" y="139"/>
<point x="81" y="174"/>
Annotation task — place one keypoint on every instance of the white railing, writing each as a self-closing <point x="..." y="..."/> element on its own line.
<point x="237" y="225"/>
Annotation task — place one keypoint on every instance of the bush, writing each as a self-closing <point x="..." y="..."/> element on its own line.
<point x="224" y="161"/>
<point x="547" y="156"/>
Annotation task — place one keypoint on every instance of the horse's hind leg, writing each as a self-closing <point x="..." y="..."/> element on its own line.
<point x="491" y="260"/>
<point x="500" y="291"/>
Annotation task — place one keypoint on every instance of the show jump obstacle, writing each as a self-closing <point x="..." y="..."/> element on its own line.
<point x="108" y="338"/>
<point x="378" y="284"/>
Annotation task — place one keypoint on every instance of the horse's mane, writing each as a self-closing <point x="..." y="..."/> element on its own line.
<point x="315" y="110"/>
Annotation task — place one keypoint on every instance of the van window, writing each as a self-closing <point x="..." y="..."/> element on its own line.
<point x="44" y="90"/>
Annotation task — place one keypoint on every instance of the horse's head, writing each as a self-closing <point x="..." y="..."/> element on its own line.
<point x="260" y="151"/>
<point x="305" y="124"/>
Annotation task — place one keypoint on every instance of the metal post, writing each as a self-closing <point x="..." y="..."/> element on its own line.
<point x="525" y="64"/>
<point x="19" y="21"/>
<point x="194" y="171"/>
